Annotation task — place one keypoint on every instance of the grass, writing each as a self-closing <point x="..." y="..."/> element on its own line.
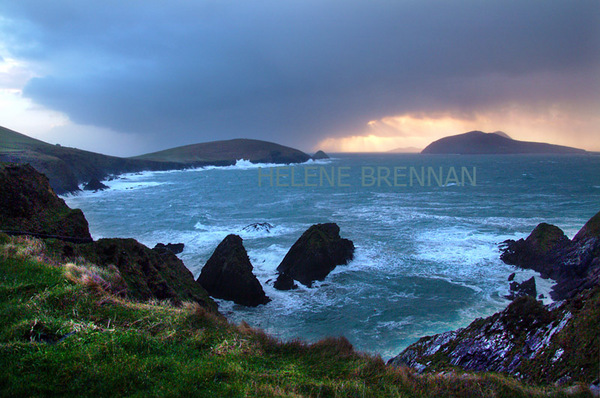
<point x="65" y="332"/>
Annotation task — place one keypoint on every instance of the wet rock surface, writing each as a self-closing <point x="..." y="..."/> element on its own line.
<point x="316" y="253"/>
<point x="557" y="343"/>
<point x="228" y="274"/>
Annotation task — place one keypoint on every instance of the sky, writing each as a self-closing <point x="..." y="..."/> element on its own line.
<point x="130" y="77"/>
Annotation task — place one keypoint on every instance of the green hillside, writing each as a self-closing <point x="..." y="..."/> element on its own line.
<point x="68" y="167"/>
<point x="65" y="333"/>
<point x="223" y="151"/>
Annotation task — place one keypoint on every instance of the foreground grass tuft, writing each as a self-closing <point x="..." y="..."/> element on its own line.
<point x="66" y="330"/>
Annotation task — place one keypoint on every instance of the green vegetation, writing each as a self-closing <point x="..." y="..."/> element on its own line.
<point x="68" y="167"/>
<point x="227" y="152"/>
<point x="65" y="332"/>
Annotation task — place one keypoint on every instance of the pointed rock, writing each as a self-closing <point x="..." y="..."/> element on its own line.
<point x="316" y="253"/>
<point x="228" y="274"/>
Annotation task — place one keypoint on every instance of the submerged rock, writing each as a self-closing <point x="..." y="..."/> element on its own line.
<point x="228" y="274"/>
<point x="284" y="282"/>
<point x="316" y="253"/>
<point x="174" y="248"/>
<point x="94" y="185"/>
<point x="258" y="226"/>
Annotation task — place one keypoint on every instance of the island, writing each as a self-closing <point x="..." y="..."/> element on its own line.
<point x="480" y="143"/>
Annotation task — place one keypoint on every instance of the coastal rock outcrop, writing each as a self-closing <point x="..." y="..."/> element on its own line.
<point x="557" y="343"/>
<point x="29" y="206"/>
<point x="148" y="273"/>
<point x="228" y="274"/>
<point x="574" y="264"/>
<point x="526" y="288"/>
<point x="316" y="253"/>
<point x="529" y="340"/>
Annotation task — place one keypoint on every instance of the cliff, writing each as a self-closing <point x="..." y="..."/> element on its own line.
<point x="66" y="168"/>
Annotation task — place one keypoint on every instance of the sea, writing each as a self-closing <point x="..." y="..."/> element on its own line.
<point x="426" y="230"/>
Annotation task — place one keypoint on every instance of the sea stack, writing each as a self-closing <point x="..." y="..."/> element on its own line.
<point x="228" y="274"/>
<point x="316" y="253"/>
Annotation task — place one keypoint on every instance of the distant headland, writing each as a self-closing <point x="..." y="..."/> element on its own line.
<point x="67" y="168"/>
<point x="480" y="143"/>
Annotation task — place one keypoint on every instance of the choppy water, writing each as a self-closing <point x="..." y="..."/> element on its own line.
<point x="426" y="257"/>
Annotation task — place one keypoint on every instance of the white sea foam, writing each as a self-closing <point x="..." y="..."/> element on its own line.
<point x="426" y="260"/>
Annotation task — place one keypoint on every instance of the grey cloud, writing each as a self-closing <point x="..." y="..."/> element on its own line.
<point x="295" y="71"/>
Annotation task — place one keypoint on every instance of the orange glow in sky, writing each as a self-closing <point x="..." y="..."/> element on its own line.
<point x="418" y="131"/>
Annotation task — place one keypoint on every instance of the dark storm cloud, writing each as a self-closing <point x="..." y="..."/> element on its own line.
<point x="294" y="71"/>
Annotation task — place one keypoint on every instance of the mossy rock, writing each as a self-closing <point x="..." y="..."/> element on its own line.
<point x="546" y="238"/>
<point x="28" y="205"/>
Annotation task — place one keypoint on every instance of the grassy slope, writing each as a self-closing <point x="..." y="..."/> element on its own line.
<point x="63" y="333"/>
<point x="224" y="151"/>
<point x="68" y="167"/>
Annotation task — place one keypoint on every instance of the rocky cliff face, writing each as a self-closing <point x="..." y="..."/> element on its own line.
<point x="558" y="343"/>
<point x="28" y="205"/>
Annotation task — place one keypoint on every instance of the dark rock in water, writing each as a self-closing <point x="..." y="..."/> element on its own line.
<point x="316" y="253"/>
<point x="284" y="282"/>
<point x="29" y="206"/>
<point x="174" y="248"/>
<point x="320" y="155"/>
<point x="526" y="288"/>
<point x="258" y="226"/>
<point x="511" y="277"/>
<point x="228" y="274"/>
<point x="94" y="185"/>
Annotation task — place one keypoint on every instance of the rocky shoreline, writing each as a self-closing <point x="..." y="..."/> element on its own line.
<point x="556" y="343"/>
